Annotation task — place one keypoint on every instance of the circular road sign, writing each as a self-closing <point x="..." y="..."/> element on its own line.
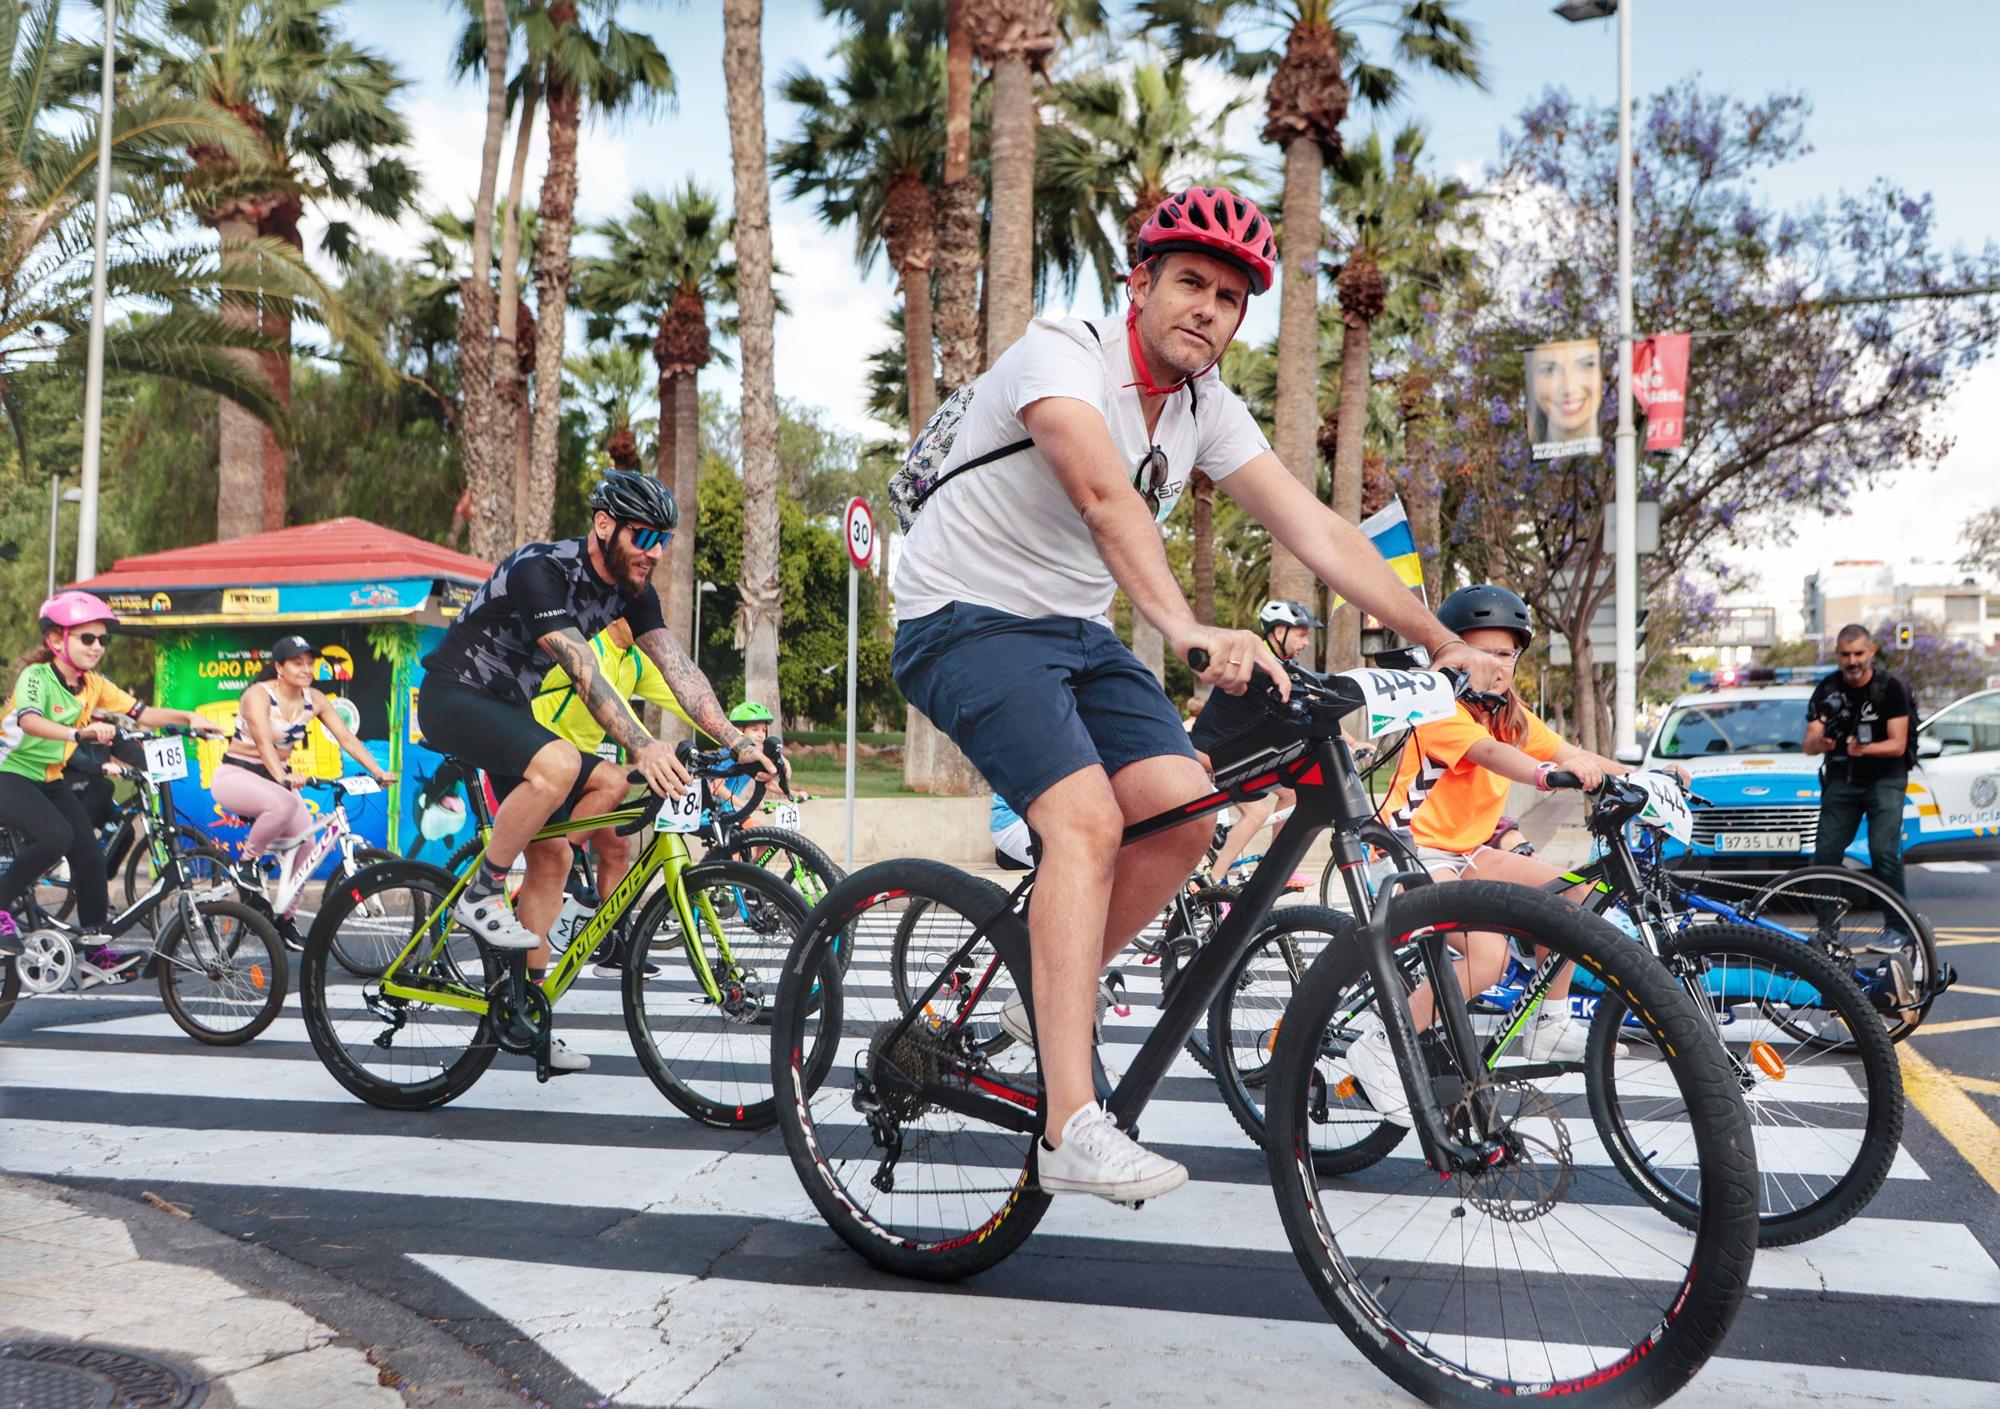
<point x="860" y="533"/>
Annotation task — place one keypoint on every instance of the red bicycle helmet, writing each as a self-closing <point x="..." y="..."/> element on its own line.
<point x="1213" y="220"/>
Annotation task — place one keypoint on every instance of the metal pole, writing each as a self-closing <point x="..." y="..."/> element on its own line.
<point x="55" y="509"/>
<point x="93" y="373"/>
<point x="853" y="621"/>
<point x="1626" y="564"/>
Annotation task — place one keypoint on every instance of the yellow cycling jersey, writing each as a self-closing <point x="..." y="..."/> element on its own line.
<point x="630" y="672"/>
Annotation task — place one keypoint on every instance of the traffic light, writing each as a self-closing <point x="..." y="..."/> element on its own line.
<point x="1905" y="633"/>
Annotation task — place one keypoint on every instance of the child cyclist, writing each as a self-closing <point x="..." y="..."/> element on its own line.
<point x="1450" y="791"/>
<point x="55" y="705"/>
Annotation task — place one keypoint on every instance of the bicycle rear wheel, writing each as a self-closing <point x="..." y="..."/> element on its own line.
<point x="702" y="1029"/>
<point x="223" y="981"/>
<point x="1535" y="1274"/>
<point x="370" y="936"/>
<point x="1819" y="1073"/>
<point x="917" y="1186"/>
<point x="395" y="1051"/>
<point x="1885" y="945"/>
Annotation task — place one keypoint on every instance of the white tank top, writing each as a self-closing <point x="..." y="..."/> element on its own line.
<point x="286" y="734"/>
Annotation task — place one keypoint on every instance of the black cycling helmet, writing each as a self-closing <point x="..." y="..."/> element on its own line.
<point x="635" y="498"/>
<point x="1472" y="608"/>
<point x="1286" y="612"/>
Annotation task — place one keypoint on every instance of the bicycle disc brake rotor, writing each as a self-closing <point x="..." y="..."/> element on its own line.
<point x="47" y="962"/>
<point x="520" y="1017"/>
<point x="1539" y="1166"/>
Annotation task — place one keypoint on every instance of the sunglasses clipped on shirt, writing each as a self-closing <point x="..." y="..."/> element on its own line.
<point x="647" y="539"/>
<point x="1149" y="477"/>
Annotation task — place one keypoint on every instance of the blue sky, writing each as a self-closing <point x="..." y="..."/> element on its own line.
<point x="1906" y="91"/>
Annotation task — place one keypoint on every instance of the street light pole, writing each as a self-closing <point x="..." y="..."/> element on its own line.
<point x="93" y="373"/>
<point x="1625" y="568"/>
<point x="702" y="589"/>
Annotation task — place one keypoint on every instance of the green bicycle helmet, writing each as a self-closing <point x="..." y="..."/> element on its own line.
<point x="749" y="712"/>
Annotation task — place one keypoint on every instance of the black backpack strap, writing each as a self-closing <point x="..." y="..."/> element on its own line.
<point x="974" y="463"/>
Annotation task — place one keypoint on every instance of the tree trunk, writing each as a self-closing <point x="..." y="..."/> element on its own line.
<point x="239" y="489"/>
<point x="1149" y="646"/>
<point x="1010" y="245"/>
<point x="513" y="425"/>
<point x="919" y="369"/>
<point x="554" y="217"/>
<point x="1296" y="418"/>
<point x="277" y="365"/>
<point x="743" y="77"/>
<point x="1204" y="548"/>
<point x="1343" y="633"/>
<point x="1583" y="688"/>
<point x="676" y="463"/>
<point x="1418" y="482"/>
<point x="958" y="217"/>
<point x="489" y="479"/>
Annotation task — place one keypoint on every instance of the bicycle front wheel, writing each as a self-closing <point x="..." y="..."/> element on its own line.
<point x="223" y="980"/>
<point x="370" y="936"/>
<point x="1534" y="1274"/>
<point x="792" y="857"/>
<point x="404" y="1051"/>
<point x="1885" y="944"/>
<point x="702" y="1029"/>
<point x="1819" y="1074"/>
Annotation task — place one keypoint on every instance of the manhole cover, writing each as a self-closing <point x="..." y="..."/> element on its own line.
<point x="65" y="1375"/>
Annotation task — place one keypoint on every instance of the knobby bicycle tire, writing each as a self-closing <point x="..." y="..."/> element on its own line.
<point x="820" y="1006"/>
<point x="337" y="1006"/>
<point x="1403" y="1308"/>
<point x="1781" y="973"/>
<point x="712" y="1061"/>
<point x="248" y="969"/>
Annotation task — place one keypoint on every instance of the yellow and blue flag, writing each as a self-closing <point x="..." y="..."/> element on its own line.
<point x="1388" y="528"/>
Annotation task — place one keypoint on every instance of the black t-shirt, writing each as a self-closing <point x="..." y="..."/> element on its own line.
<point x="1870" y="707"/>
<point x="495" y="645"/>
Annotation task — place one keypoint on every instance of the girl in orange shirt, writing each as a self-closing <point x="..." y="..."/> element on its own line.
<point x="1450" y="792"/>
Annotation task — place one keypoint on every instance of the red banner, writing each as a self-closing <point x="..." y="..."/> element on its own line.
<point x="1659" y="386"/>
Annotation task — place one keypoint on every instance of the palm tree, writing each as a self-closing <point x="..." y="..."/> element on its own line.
<point x="611" y="69"/>
<point x="668" y="254"/>
<point x="1395" y="223"/>
<point x="178" y="291"/>
<point x="868" y="151"/>
<point x="1316" y="65"/>
<point x="491" y="516"/>
<point x="611" y="378"/>
<point x="1015" y="38"/>
<point x="743" y="78"/>
<point x="325" y="112"/>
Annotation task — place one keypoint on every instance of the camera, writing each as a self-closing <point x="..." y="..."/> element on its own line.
<point x="1837" y="718"/>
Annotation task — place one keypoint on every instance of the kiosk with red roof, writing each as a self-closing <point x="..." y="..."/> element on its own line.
<point x="372" y="600"/>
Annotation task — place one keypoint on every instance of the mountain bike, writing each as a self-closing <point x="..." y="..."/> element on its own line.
<point x="220" y="965"/>
<point x="439" y="1005"/>
<point x="919" y="1148"/>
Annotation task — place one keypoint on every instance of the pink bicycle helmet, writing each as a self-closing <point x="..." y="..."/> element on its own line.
<point x="72" y="609"/>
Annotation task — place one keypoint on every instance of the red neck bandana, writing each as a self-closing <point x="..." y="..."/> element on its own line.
<point x="1144" y="381"/>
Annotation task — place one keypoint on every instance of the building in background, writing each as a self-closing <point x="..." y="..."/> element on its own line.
<point x="1872" y="591"/>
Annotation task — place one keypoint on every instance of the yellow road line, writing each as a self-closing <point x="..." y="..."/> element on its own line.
<point x="1975" y="988"/>
<point x="1980" y="1084"/>
<point x="1948" y="943"/>
<point x="1962" y="1025"/>
<point x="1966" y="929"/>
<point x="1945" y="1105"/>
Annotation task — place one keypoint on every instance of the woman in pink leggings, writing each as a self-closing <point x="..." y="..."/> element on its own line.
<point x="255" y="780"/>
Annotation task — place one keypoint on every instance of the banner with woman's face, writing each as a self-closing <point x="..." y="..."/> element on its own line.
<point x="1565" y="389"/>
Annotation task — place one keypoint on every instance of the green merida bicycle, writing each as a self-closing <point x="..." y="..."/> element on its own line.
<point x="438" y="1006"/>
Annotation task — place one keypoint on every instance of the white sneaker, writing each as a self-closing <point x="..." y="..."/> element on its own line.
<point x="1373" y="1064"/>
<point x="562" y="1059"/>
<point x="1553" y="1035"/>
<point x="1014" y="1012"/>
<point x="1096" y="1157"/>
<point x="491" y="918"/>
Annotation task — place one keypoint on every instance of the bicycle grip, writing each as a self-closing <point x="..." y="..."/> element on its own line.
<point x="1197" y="659"/>
<point x="1563" y="778"/>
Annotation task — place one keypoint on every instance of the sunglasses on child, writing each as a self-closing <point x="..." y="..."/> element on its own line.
<point x="90" y="638"/>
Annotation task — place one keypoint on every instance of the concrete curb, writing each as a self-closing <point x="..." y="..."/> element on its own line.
<point x="268" y="1332"/>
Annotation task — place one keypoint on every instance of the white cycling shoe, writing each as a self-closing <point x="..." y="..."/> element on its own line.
<point x="1372" y="1062"/>
<point x="1096" y="1157"/>
<point x="562" y="1059"/>
<point x="492" y="919"/>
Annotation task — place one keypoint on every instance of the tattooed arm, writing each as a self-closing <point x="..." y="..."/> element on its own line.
<point x="697" y="697"/>
<point x="567" y="647"/>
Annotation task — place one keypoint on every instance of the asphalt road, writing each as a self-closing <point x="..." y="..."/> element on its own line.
<point x="599" y="1248"/>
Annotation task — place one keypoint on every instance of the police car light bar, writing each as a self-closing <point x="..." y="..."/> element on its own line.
<point x="1758" y="675"/>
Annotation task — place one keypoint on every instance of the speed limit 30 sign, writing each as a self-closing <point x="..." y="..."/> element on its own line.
<point x="860" y="533"/>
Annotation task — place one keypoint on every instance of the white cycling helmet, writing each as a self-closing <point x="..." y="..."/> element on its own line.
<point x="1285" y="612"/>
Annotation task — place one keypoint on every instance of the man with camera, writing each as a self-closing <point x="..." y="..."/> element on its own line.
<point x="1862" y="719"/>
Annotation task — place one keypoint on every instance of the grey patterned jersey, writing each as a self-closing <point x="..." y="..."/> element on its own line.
<point x="495" y="645"/>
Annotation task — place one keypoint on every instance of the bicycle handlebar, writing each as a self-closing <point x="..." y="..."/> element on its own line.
<point x="708" y="764"/>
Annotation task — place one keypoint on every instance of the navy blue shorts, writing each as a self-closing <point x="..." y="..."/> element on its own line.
<point x="1032" y="700"/>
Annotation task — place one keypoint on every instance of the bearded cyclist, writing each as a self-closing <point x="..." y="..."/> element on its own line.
<point x="543" y="604"/>
<point x="1086" y="439"/>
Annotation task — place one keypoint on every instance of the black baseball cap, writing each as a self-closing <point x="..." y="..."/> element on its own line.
<point x="291" y="648"/>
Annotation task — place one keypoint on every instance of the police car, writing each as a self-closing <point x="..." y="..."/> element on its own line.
<point x="1741" y="737"/>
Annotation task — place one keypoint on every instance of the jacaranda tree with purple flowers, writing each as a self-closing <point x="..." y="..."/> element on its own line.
<point x="1807" y="382"/>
